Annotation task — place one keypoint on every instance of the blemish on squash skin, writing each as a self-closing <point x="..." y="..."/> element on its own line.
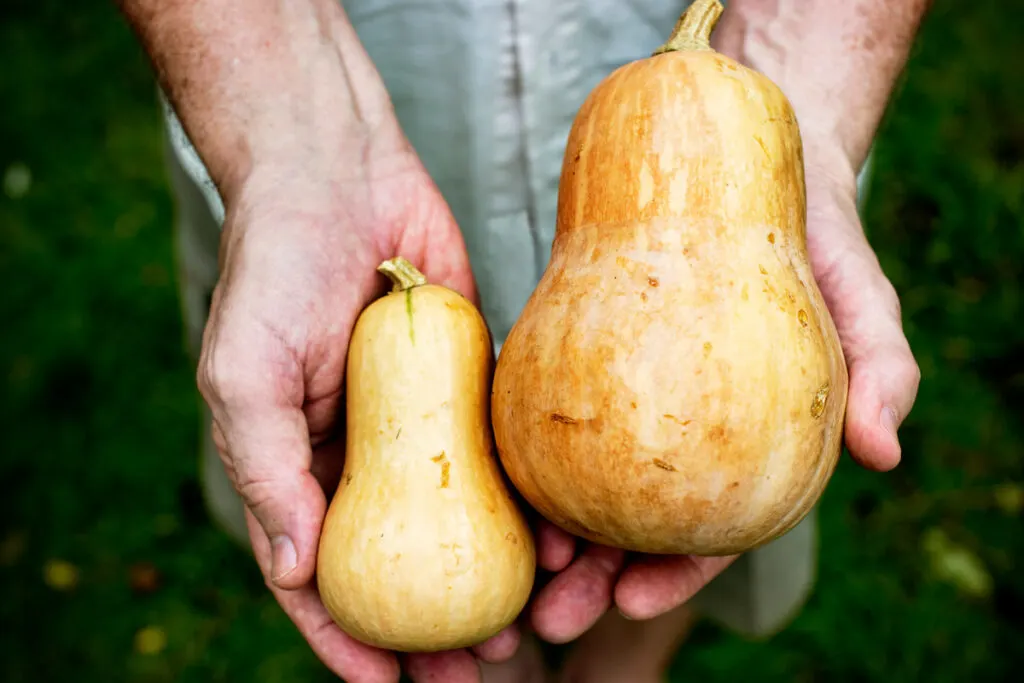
<point x="661" y="464"/>
<point x="643" y="296"/>
<point x="653" y="281"/>
<point x="707" y="349"/>
<point x="398" y="434"/>
<point x="455" y="552"/>
<point x="820" y="398"/>
<point x="677" y="420"/>
<point x="563" y="419"/>
<point x="801" y="315"/>
<point x="762" y="269"/>
<point x="446" y="466"/>
<point x="771" y="238"/>
<point x="716" y="433"/>
<point x="512" y="538"/>
<point x="763" y="147"/>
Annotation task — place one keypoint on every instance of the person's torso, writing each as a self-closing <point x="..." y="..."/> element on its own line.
<point x="486" y="91"/>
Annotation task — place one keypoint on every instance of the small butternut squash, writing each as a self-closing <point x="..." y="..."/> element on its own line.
<point x="423" y="547"/>
<point x="675" y="383"/>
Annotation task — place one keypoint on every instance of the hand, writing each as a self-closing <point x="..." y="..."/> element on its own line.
<point x="587" y="586"/>
<point x="883" y="384"/>
<point x="884" y="376"/>
<point x="298" y="265"/>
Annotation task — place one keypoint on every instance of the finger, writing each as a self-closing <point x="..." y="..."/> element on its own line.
<point x="555" y="547"/>
<point x="501" y="647"/>
<point x="325" y="414"/>
<point x="328" y="465"/>
<point x="652" y="585"/>
<point x="255" y="392"/>
<point x="884" y="379"/>
<point x="456" y="666"/>
<point x="348" y="658"/>
<point x="884" y="376"/>
<point x="576" y="598"/>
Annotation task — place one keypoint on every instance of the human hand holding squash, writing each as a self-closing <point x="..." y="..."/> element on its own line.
<point x="299" y="264"/>
<point x="677" y="363"/>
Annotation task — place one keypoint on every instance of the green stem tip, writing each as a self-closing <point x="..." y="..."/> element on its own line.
<point x="693" y="30"/>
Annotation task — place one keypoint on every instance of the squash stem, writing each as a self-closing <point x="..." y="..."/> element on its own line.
<point x="693" y="30"/>
<point x="403" y="275"/>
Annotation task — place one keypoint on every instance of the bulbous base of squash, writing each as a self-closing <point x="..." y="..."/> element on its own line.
<point x="609" y="487"/>
<point x="687" y="398"/>
<point x="440" y="609"/>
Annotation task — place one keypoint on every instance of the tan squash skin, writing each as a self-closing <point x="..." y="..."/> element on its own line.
<point x="675" y="384"/>
<point x="423" y="548"/>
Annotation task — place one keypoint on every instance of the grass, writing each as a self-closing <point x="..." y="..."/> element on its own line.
<point x="112" y="572"/>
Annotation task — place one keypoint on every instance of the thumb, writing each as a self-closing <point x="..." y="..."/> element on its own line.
<point x="263" y="438"/>
<point x="884" y="379"/>
<point x="884" y="376"/>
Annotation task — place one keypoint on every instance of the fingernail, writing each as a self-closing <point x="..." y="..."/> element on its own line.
<point x="624" y="615"/>
<point x="285" y="557"/>
<point x="890" y="422"/>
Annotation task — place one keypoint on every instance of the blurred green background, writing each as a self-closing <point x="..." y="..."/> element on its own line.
<point x="110" y="570"/>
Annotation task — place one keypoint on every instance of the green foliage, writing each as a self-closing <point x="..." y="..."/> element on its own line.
<point x="112" y="572"/>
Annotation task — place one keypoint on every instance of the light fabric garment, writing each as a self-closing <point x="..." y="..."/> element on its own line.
<point x="486" y="91"/>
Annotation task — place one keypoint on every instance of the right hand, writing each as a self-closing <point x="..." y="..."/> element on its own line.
<point x="298" y="264"/>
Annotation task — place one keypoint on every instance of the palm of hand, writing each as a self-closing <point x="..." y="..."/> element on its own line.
<point x="294" y="279"/>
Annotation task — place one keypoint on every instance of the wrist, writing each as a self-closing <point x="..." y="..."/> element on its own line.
<point x="827" y="162"/>
<point x="318" y="127"/>
<point x="278" y="84"/>
<point x="291" y="151"/>
<point x="837" y="63"/>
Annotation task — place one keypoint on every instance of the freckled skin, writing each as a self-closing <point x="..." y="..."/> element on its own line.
<point x="675" y="383"/>
<point x="423" y="547"/>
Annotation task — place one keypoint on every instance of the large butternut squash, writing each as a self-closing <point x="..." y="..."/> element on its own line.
<point x="675" y="383"/>
<point x="423" y="547"/>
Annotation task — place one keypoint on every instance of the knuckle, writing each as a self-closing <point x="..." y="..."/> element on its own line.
<point x="911" y="372"/>
<point x="890" y="298"/>
<point x="256" y="492"/>
<point x="219" y="376"/>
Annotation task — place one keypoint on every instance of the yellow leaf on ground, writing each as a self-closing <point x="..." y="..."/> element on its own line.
<point x="956" y="564"/>
<point x="1010" y="498"/>
<point x="60" y="575"/>
<point x="150" y="640"/>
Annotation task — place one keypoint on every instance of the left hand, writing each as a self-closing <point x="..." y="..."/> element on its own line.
<point x="884" y="379"/>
